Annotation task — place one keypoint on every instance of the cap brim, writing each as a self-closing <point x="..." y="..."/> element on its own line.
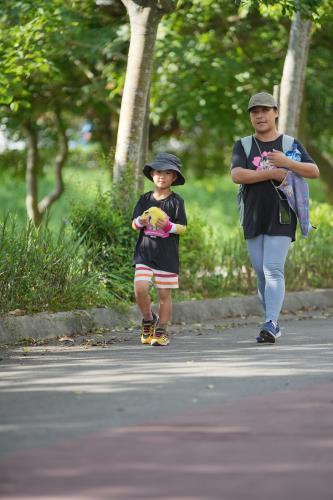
<point x="261" y="106"/>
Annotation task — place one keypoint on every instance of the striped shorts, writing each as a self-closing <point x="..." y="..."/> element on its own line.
<point x="163" y="279"/>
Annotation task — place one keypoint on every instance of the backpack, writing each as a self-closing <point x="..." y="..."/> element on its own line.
<point x="287" y="143"/>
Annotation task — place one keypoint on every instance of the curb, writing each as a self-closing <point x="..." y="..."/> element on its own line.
<point x="42" y="326"/>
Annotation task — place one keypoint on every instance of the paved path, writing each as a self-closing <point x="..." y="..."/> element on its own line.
<point x="213" y="416"/>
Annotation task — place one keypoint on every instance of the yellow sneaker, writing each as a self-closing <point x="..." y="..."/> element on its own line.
<point x="148" y="329"/>
<point x="160" y="337"/>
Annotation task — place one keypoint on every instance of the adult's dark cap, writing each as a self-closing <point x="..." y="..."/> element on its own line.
<point x="262" y="99"/>
<point x="165" y="161"/>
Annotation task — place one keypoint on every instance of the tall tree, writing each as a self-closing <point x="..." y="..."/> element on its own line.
<point x="59" y="61"/>
<point x="36" y="209"/>
<point x="293" y="76"/>
<point x="144" y="16"/>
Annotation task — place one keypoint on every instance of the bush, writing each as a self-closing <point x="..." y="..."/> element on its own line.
<point x="39" y="272"/>
<point x="13" y="162"/>
<point x="309" y="263"/>
<point x="310" y="260"/>
<point x="211" y="265"/>
<point x="198" y="256"/>
<point x="105" y="227"/>
<point x="110" y="241"/>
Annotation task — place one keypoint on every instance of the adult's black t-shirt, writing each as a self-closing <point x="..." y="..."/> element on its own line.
<point x="261" y="202"/>
<point x="153" y="251"/>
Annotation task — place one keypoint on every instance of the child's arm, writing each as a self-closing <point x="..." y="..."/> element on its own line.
<point x="139" y="221"/>
<point x="180" y="225"/>
<point x="175" y="228"/>
<point x="136" y="225"/>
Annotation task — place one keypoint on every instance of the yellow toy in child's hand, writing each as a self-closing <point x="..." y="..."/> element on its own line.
<point x="153" y="214"/>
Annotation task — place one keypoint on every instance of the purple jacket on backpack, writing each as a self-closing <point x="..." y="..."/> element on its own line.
<point x="297" y="192"/>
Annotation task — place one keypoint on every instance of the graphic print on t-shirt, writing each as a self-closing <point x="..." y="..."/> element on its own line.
<point x="262" y="162"/>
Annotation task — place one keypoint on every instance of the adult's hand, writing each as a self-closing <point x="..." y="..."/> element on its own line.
<point x="277" y="158"/>
<point x="278" y="174"/>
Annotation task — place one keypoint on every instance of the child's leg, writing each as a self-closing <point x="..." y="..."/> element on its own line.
<point x="165" y="306"/>
<point x="141" y="289"/>
<point x="161" y="337"/>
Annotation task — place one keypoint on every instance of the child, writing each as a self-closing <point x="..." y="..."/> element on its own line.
<point x="160" y="217"/>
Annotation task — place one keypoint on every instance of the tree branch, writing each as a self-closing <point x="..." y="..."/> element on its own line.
<point x="167" y="5"/>
<point x="60" y="160"/>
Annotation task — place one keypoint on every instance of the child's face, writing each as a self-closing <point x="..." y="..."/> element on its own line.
<point x="263" y="118"/>
<point x="163" y="178"/>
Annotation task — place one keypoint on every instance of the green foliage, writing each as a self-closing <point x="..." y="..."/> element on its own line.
<point x="12" y="162"/>
<point x="218" y="56"/>
<point x="310" y="260"/>
<point x="93" y="266"/>
<point x="198" y="254"/>
<point x="39" y="272"/>
<point x="216" y="197"/>
<point x="105" y="227"/>
<point x="308" y="8"/>
<point x="318" y="98"/>
<point x="309" y="263"/>
<point x="64" y="55"/>
<point x="30" y="35"/>
<point x="218" y="267"/>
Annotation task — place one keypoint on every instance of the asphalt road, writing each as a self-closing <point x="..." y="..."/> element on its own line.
<point x="212" y="416"/>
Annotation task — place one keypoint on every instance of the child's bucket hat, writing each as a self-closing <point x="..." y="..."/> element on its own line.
<point x="165" y="161"/>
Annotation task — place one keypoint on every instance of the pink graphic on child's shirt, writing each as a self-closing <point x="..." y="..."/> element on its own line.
<point x="262" y="162"/>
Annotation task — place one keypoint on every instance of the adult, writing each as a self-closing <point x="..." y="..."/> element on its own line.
<point x="269" y="223"/>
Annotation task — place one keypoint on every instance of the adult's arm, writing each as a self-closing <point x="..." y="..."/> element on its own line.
<point x="242" y="175"/>
<point x="305" y="169"/>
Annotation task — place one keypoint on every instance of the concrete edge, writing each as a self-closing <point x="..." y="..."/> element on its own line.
<point x="45" y="325"/>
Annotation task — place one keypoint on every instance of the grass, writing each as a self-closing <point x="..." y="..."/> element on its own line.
<point x="42" y="271"/>
<point x="214" y="197"/>
<point x="81" y="183"/>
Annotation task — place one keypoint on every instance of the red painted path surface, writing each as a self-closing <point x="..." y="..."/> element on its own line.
<point x="277" y="447"/>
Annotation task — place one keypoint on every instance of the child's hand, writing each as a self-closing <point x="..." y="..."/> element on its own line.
<point x="162" y="223"/>
<point x="144" y="218"/>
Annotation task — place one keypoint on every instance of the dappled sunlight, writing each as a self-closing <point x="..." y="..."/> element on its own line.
<point x="68" y="391"/>
<point x="185" y="419"/>
<point x="127" y="368"/>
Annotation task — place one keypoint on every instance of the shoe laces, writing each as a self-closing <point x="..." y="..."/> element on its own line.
<point x="160" y="332"/>
<point x="147" y="327"/>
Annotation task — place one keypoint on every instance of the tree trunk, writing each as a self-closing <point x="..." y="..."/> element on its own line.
<point x="60" y="160"/>
<point x="31" y="176"/>
<point x="145" y="16"/>
<point x="35" y="210"/>
<point x="292" y="83"/>
<point x="143" y="150"/>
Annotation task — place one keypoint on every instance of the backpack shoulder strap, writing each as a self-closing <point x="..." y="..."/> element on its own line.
<point x="247" y="144"/>
<point x="287" y="142"/>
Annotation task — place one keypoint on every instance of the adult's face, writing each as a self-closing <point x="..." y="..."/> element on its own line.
<point x="263" y="118"/>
